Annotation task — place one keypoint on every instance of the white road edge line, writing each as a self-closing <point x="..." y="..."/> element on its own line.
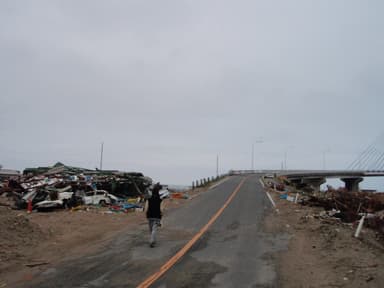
<point x="217" y="184"/>
<point x="270" y="198"/>
<point x="269" y="195"/>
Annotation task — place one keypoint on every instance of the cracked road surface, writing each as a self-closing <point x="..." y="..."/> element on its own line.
<point x="234" y="251"/>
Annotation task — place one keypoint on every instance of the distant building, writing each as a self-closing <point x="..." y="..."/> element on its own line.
<point x="35" y="171"/>
<point x="9" y="174"/>
<point x="60" y="168"/>
<point x="55" y="169"/>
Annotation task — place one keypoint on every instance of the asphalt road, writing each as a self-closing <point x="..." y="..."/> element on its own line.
<point x="234" y="252"/>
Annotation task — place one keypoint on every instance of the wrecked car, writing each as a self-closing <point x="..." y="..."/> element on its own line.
<point x="35" y="196"/>
<point x="99" y="197"/>
<point x="48" y="205"/>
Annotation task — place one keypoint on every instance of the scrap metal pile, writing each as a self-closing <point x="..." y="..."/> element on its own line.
<point x="62" y="186"/>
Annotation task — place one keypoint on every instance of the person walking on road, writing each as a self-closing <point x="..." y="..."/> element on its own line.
<point x="154" y="213"/>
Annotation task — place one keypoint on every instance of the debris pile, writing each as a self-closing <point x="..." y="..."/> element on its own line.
<point x="125" y="208"/>
<point x="351" y="205"/>
<point x="61" y="186"/>
<point x="346" y="206"/>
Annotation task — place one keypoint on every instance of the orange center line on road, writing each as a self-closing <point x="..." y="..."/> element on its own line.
<point x="151" y="279"/>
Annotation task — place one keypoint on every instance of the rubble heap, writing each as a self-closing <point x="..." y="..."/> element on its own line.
<point x="66" y="186"/>
<point x="366" y="207"/>
<point x="350" y="204"/>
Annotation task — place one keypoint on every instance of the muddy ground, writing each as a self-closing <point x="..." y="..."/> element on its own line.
<point x="29" y="242"/>
<point x="39" y="239"/>
<point x="322" y="251"/>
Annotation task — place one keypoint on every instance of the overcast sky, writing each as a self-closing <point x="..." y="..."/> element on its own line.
<point x="169" y="85"/>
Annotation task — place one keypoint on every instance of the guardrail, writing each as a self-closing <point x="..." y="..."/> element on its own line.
<point x="207" y="181"/>
<point x="260" y="171"/>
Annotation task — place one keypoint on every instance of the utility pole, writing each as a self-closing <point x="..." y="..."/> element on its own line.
<point x="101" y="156"/>
<point x="324" y="159"/>
<point x="217" y="166"/>
<point x="286" y="155"/>
<point x="253" y="157"/>
<point x="260" y="140"/>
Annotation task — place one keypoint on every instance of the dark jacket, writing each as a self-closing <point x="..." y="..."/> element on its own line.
<point x="154" y="204"/>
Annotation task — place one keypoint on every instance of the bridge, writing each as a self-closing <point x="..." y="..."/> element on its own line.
<point x="315" y="178"/>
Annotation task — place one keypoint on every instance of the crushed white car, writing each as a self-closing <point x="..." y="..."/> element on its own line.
<point x="48" y="205"/>
<point x="99" y="197"/>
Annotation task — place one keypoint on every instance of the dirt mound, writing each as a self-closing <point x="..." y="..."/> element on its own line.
<point x="16" y="231"/>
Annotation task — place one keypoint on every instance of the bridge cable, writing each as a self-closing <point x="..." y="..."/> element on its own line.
<point x="371" y="159"/>
<point x="367" y="158"/>
<point x="354" y="165"/>
<point x="378" y="161"/>
<point x="361" y="159"/>
<point x="371" y="156"/>
<point x="382" y="165"/>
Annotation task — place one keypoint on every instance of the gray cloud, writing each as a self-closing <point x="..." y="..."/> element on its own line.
<point x="168" y="85"/>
